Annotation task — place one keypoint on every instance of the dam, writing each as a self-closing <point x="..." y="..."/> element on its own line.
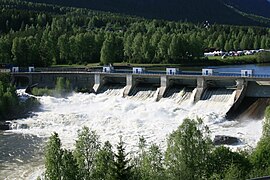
<point x="137" y="114"/>
<point x="247" y="84"/>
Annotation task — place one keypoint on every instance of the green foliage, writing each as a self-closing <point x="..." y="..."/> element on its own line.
<point x="69" y="168"/>
<point x="122" y="169"/>
<point x="53" y="158"/>
<point x="10" y="104"/>
<point x="41" y="91"/>
<point x="62" y="89"/>
<point x="59" y="163"/>
<point x="87" y="148"/>
<point x="263" y="57"/>
<point x="260" y="157"/>
<point x="62" y="86"/>
<point x="104" y="163"/>
<point x="222" y="160"/>
<point x="150" y="164"/>
<point x="188" y="151"/>
<point x="266" y="125"/>
<point x="233" y="173"/>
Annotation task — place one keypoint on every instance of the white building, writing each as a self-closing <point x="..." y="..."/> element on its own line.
<point x="31" y="69"/>
<point x="108" y="69"/>
<point x="15" y="69"/>
<point x="172" y="71"/>
<point x="138" y="70"/>
<point x="208" y="72"/>
<point x="246" y="73"/>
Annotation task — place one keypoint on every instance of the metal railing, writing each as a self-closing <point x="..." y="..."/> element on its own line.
<point x="123" y="71"/>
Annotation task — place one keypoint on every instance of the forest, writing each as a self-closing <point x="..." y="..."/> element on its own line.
<point x="190" y="154"/>
<point x="43" y="35"/>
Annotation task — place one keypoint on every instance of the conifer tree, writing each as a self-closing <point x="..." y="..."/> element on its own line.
<point x="122" y="168"/>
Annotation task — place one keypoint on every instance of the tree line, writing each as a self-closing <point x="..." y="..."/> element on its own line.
<point x="45" y="35"/>
<point x="190" y="154"/>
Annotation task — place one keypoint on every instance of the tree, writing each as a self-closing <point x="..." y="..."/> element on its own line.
<point x="104" y="163"/>
<point x="87" y="147"/>
<point x="53" y="155"/>
<point x="122" y="169"/>
<point x="227" y="46"/>
<point x="163" y="46"/>
<point x="151" y="164"/>
<point x="62" y="86"/>
<point x="69" y="168"/>
<point x="260" y="157"/>
<point x="107" y="53"/>
<point x="64" y="49"/>
<point x="244" y="42"/>
<point x="263" y="57"/>
<point x="222" y="159"/>
<point x="188" y="151"/>
<point x="137" y="48"/>
<point x="20" y="51"/>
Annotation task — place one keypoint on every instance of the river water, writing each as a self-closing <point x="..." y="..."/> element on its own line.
<point x="111" y="115"/>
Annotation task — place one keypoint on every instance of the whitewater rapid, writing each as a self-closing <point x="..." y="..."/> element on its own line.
<point x="111" y="115"/>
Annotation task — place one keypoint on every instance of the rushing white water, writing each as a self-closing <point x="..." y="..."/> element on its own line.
<point x="110" y="116"/>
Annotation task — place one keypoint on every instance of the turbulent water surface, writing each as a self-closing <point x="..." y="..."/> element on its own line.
<point x="110" y="116"/>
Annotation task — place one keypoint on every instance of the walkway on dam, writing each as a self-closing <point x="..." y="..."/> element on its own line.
<point x="151" y="73"/>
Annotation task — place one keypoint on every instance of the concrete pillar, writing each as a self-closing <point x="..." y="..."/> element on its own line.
<point x="201" y="86"/>
<point x="241" y="88"/>
<point x="130" y="83"/>
<point x="164" y="83"/>
<point x="99" y="82"/>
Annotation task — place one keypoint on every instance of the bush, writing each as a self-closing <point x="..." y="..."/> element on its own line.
<point x="62" y="87"/>
<point x="263" y="57"/>
<point x="41" y="91"/>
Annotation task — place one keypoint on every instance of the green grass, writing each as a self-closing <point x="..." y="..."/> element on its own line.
<point x="42" y="91"/>
<point x="234" y="58"/>
<point x="185" y="64"/>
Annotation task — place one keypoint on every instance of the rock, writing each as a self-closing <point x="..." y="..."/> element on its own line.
<point x="228" y="140"/>
<point x="4" y="126"/>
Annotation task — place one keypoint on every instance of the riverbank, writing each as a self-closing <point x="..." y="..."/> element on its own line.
<point x="192" y="64"/>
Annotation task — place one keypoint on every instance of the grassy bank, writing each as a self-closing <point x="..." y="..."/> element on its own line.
<point x="192" y="64"/>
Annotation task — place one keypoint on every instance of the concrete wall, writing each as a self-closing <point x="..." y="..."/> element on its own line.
<point x="49" y="80"/>
<point x="256" y="90"/>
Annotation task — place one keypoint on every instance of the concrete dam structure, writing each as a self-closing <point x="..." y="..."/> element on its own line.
<point x="163" y="83"/>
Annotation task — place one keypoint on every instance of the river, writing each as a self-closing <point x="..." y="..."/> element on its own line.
<point x="111" y="115"/>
